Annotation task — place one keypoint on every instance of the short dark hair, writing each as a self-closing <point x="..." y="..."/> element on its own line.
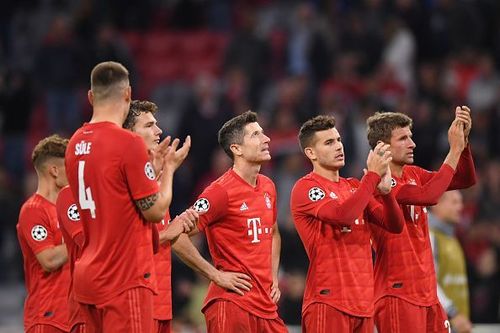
<point x="381" y="124"/>
<point x="136" y="108"/>
<point x="53" y="146"/>
<point x="233" y="131"/>
<point x="106" y="77"/>
<point x="313" y="125"/>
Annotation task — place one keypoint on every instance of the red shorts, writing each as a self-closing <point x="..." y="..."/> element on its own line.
<point x="323" y="318"/>
<point x="226" y="317"/>
<point x="162" y="326"/>
<point x="44" y="329"/>
<point x="393" y="314"/>
<point x="131" y="311"/>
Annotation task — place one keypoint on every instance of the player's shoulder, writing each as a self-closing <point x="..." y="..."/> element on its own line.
<point x="414" y="170"/>
<point x="306" y="184"/>
<point x="352" y="181"/>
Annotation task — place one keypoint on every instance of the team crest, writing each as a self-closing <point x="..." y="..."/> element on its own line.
<point x="316" y="194"/>
<point x="73" y="214"/>
<point x="39" y="233"/>
<point x="393" y="182"/>
<point x="201" y="205"/>
<point x="268" y="201"/>
<point x="149" y="171"/>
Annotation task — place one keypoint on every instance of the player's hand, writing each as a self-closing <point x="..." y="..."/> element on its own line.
<point x="461" y="324"/>
<point x="237" y="282"/>
<point x="192" y="217"/>
<point x="384" y="186"/>
<point x="156" y="155"/>
<point x="174" y="157"/>
<point x="463" y="113"/>
<point x="379" y="158"/>
<point x="183" y="223"/>
<point x="275" y="292"/>
<point x="456" y="136"/>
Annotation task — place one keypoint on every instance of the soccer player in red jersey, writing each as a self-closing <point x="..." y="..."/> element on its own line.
<point x="238" y="217"/>
<point x="117" y="194"/>
<point x="331" y="215"/>
<point x="405" y="281"/>
<point x="46" y="275"/>
<point x="72" y="232"/>
<point x="141" y="120"/>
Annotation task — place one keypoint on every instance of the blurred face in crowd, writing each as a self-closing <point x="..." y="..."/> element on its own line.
<point x="449" y="208"/>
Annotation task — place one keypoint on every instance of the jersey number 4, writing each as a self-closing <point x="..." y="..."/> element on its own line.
<point x="84" y="194"/>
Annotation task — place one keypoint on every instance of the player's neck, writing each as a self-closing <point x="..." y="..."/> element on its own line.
<point x="332" y="175"/>
<point x="248" y="172"/>
<point x="396" y="169"/>
<point x="108" y="112"/>
<point x="48" y="189"/>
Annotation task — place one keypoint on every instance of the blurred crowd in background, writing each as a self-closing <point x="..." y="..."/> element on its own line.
<point x="203" y="62"/>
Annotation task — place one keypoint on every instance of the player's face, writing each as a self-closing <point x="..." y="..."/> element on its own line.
<point x="402" y="146"/>
<point x="147" y="128"/>
<point x="61" y="179"/>
<point x="450" y="206"/>
<point x="255" y="147"/>
<point x="328" y="149"/>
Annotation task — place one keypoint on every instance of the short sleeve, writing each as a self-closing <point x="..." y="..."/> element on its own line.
<point x="211" y="205"/>
<point x="139" y="172"/>
<point x="34" y="225"/>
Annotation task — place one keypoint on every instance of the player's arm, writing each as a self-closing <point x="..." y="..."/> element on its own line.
<point x="385" y="211"/>
<point x="435" y="183"/>
<point x="346" y="213"/>
<point x="276" y="250"/>
<point x="465" y="174"/>
<point x="155" y="206"/>
<point x="52" y="259"/>
<point x="183" y="223"/>
<point x="189" y="254"/>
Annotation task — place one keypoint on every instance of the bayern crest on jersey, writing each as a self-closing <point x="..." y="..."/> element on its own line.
<point x="316" y="194"/>
<point x="149" y="171"/>
<point x="201" y="205"/>
<point x="73" y="213"/>
<point x="39" y="233"/>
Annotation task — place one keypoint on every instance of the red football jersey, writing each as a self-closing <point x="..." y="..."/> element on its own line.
<point x="404" y="264"/>
<point x="162" y="306"/>
<point x="238" y="221"/>
<point x="337" y="242"/>
<point x="47" y="293"/>
<point x="108" y="169"/>
<point x="72" y="231"/>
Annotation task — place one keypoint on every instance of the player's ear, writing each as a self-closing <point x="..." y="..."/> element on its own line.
<point x="310" y="154"/>
<point x="236" y="149"/>
<point x="90" y="97"/>
<point x="128" y="94"/>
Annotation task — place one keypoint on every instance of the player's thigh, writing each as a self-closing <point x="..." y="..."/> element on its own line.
<point x="162" y="326"/>
<point x="271" y="325"/>
<point x="80" y="328"/>
<point x="226" y="317"/>
<point x="91" y="316"/>
<point x="129" y="312"/>
<point x="322" y="318"/>
<point x="362" y="324"/>
<point x="394" y="315"/>
<point x="437" y="320"/>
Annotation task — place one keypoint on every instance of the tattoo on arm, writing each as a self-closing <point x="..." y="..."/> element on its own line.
<point x="147" y="202"/>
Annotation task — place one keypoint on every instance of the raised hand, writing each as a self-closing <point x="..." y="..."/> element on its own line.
<point x="156" y="155"/>
<point x="237" y="282"/>
<point x="456" y="136"/>
<point x="463" y="113"/>
<point x="379" y="158"/>
<point x="174" y="157"/>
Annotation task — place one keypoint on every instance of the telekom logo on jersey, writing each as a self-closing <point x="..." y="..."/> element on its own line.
<point x="255" y="229"/>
